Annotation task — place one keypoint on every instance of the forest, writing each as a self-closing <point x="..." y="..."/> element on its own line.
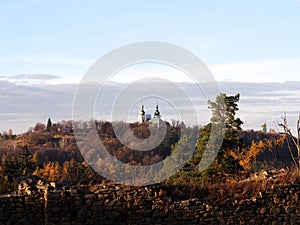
<point x="49" y="151"/>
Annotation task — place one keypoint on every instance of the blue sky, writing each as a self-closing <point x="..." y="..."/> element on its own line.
<point x="55" y="42"/>
<point x="238" y="40"/>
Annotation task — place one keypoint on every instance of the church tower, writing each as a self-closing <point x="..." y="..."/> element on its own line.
<point x="142" y="116"/>
<point x="157" y="113"/>
<point x="156" y="117"/>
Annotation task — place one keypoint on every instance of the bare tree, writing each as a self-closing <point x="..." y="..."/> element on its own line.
<point x="292" y="141"/>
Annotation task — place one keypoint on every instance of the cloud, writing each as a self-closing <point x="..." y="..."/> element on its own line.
<point x="29" y="79"/>
<point x="25" y="105"/>
<point x="258" y="71"/>
<point x="38" y="76"/>
<point x="69" y="69"/>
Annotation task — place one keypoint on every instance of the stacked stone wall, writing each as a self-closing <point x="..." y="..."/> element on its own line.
<point x="44" y="203"/>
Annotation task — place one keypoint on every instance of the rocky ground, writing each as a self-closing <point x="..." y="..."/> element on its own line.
<point x="259" y="199"/>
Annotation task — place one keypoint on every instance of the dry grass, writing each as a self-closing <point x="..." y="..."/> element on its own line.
<point x="223" y="191"/>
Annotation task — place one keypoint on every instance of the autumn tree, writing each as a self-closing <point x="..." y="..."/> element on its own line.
<point x="10" y="133"/>
<point x="247" y="157"/>
<point x="39" y="127"/>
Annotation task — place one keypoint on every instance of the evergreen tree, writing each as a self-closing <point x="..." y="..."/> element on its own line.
<point x="223" y="110"/>
<point x="49" y="125"/>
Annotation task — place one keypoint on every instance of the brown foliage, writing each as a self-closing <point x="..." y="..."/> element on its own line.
<point x="249" y="154"/>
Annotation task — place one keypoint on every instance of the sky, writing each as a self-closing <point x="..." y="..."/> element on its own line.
<point x="45" y="42"/>
<point x="238" y="40"/>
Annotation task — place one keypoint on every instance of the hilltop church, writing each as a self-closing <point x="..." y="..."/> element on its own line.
<point x="143" y="117"/>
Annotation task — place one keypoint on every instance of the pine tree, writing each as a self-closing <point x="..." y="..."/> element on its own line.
<point x="49" y="125"/>
<point x="223" y="110"/>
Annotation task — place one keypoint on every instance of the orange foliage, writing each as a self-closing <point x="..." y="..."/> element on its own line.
<point x="250" y="153"/>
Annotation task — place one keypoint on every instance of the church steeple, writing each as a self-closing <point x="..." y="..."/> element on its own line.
<point x="142" y="115"/>
<point x="156" y="113"/>
<point x="142" y="111"/>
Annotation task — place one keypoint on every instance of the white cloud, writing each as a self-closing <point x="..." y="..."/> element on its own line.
<point x="37" y="76"/>
<point x="68" y="69"/>
<point x="254" y="71"/>
<point x="258" y="71"/>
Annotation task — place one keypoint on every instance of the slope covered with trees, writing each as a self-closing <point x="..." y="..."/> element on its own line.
<point x="50" y="151"/>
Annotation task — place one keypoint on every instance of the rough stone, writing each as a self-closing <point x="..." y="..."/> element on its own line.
<point x="40" y="202"/>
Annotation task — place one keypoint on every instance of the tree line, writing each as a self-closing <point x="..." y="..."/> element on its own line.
<point x="50" y="151"/>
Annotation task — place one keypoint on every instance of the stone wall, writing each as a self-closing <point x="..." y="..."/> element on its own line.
<point x="40" y="202"/>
